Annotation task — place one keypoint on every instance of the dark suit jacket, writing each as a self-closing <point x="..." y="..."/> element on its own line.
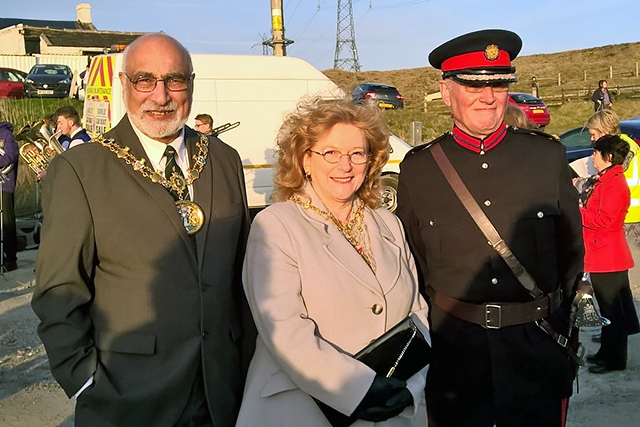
<point x="599" y="95"/>
<point x="123" y="295"/>
<point x="524" y="187"/>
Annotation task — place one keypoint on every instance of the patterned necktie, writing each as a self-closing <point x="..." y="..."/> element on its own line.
<point x="171" y="168"/>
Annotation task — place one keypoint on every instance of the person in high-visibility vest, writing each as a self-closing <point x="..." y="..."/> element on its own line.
<point x="606" y="122"/>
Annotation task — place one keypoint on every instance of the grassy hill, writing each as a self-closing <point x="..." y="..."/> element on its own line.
<point x="577" y="70"/>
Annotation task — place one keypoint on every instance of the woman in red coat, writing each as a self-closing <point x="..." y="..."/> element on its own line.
<point x="607" y="254"/>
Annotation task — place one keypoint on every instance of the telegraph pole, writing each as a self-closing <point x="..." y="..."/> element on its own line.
<point x="346" y="39"/>
<point x="278" y="42"/>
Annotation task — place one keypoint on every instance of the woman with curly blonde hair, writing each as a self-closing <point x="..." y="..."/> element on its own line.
<point x="302" y="129"/>
<point x="326" y="272"/>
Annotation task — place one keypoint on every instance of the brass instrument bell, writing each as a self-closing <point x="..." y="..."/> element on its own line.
<point x="39" y="148"/>
<point x="587" y="312"/>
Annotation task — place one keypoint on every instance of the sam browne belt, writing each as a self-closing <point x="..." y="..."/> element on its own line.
<point x="494" y="315"/>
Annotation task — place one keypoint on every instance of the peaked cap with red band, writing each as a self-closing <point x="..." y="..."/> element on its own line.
<point x="480" y="57"/>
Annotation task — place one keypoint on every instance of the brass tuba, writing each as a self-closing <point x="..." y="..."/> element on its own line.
<point x="39" y="146"/>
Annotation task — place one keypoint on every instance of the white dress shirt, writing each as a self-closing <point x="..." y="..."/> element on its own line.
<point x="155" y="152"/>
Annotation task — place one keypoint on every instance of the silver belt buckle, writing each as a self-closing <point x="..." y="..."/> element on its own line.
<point x="493" y="316"/>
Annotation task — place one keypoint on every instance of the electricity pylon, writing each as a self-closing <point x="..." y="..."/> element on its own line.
<point x="346" y="52"/>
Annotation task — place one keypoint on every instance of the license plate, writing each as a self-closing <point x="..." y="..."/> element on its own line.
<point x="385" y="105"/>
<point x="45" y="92"/>
<point x="538" y="111"/>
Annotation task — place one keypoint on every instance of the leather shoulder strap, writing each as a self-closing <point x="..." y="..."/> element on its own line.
<point x="483" y="222"/>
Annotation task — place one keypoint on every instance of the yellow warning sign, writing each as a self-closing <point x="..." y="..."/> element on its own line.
<point x="98" y="93"/>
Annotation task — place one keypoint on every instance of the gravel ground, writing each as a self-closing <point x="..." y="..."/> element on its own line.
<point x="30" y="397"/>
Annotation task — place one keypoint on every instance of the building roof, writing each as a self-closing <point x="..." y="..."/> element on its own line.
<point x="43" y="23"/>
<point x="81" y="38"/>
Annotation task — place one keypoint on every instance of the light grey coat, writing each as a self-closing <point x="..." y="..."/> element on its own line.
<point x="311" y="296"/>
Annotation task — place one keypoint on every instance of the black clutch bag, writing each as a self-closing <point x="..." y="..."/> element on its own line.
<point x="399" y="353"/>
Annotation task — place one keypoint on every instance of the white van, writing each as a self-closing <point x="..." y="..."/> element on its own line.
<point x="257" y="91"/>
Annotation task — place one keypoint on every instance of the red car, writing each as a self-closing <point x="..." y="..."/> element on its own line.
<point x="533" y="107"/>
<point x="11" y="83"/>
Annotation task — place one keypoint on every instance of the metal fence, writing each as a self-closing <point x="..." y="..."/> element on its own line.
<point x="77" y="63"/>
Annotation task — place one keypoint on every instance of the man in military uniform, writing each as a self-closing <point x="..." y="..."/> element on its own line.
<point x="493" y="364"/>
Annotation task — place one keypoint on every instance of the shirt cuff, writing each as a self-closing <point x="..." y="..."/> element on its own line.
<point x="84" y="387"/>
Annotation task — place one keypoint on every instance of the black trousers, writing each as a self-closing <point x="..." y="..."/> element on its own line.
<point x="616" y="304"/>
<point x="460" y="389"/>
<point x="9" y="238"/>
<point x="541" y="411"/>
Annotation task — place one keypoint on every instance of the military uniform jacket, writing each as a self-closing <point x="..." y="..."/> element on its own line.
<point x="126" y="296"/>
<point x="524" y="187"/>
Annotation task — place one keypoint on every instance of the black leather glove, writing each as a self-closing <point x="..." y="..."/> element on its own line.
<point x="386" y="398"/>
<point x="392" y="407"/>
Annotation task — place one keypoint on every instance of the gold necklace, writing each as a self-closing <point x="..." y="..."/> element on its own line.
<point x="354" y="230"/>
<point x="191" y="214"/>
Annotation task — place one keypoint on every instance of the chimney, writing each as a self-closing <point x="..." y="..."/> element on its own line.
<point x="83" y="13"/>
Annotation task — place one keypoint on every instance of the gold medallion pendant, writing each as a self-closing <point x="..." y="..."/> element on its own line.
<point x="191" y="214"/>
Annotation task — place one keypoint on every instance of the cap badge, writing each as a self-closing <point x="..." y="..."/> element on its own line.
<point x="492" y="52"/>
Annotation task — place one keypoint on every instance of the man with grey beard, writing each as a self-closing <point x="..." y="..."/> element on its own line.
<point x="138" y="287"/>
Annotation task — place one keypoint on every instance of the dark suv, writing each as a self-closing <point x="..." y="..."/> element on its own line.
<point x="50" y="80"/>
<point x="386" y="96"/>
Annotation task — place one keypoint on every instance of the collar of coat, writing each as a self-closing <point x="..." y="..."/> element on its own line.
<point x="478" y="145"/>
<point x="610" y="173"/>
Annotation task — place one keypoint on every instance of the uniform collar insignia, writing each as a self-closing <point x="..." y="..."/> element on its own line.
<point x="478" y="145"/>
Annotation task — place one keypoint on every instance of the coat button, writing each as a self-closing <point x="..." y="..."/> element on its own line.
<point x="487" y="203"/>
<point x="376" y="309"/>
<point x="204" y="335"/>
<point x="494" y="281"/>
<point x="540" y="214"/>
<point x="485" y="166"/>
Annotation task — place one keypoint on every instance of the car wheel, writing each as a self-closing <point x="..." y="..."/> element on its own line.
<point x="36" y="232"/>
<point x="389" y="192"/>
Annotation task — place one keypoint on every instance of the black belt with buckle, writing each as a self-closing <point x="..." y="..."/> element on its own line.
<point x="494" y="315"/>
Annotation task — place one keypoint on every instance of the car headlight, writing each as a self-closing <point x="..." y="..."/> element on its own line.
<point x="29" y="81"/>
<point x="64" y="81"/>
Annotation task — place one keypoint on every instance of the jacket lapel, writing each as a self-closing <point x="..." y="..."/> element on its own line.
<point x="385" y="252"/>
<point x="202" y="188"/>
<point x="385" y="249"/>
<point x="124" y="135"/>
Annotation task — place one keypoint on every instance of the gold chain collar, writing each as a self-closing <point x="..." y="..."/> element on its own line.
<point x="175" y="182"/>
<point x="355" y="230"/>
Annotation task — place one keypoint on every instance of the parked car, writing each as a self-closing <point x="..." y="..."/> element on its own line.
<point x="12" y="83"/>
<point x="388" y="97"/>
<point x="48" y="80"/>
<point x="533" y="107"/>
<point x="579" y="146"/>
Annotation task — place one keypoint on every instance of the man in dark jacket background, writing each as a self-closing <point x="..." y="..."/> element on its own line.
<point x="8" y="175"/>
<point x="492" y="364"/>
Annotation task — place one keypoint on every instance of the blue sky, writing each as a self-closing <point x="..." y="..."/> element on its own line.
<point x="390" y="34"/>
